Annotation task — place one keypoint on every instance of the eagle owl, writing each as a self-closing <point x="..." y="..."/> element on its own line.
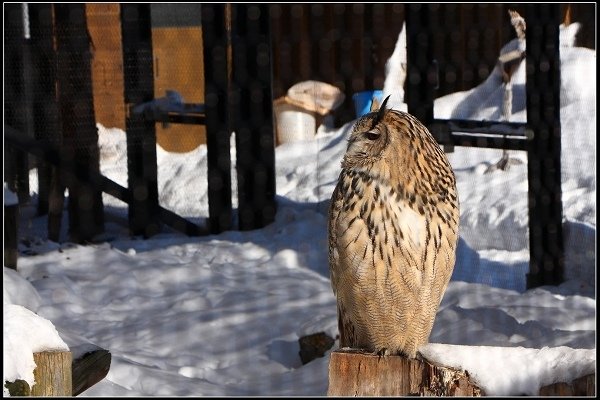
<point x="393" y="231"/>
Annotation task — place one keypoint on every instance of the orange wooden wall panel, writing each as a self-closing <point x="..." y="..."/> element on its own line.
<point x="107" y="64"/>
<point x="178" y="65"/>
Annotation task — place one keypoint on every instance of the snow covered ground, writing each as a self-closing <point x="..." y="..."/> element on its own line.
<point x="222" y="314"/>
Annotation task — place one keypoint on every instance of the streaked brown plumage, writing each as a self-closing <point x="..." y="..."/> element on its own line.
<point x="393" y="231"/>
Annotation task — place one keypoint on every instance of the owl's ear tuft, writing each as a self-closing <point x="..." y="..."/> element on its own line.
<point x="381" y="111"/>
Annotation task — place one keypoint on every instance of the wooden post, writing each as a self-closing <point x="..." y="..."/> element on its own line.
<point x="353" y="373"/>
<point x="546" y="263"/>
<point x="419" y="94"/>
<point x="218" y="128"/>
<point x="80" y="136"/>
<point x="141" y="133"/>
<point x="16" y="164"/>
<point x="52" y="374"/>
<point x="46" y="119"/>
<point x="253" y="115"/>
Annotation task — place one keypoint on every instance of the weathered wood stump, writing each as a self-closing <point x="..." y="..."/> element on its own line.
<point x="584" y="386"/>
<point x="56" y="375"/>
<point x="354" y="373"/>
<point x="52" y="374"/>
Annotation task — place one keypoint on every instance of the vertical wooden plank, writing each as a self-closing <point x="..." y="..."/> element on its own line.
<point x="46" y="120"/>
<point x="342" y="62"/>
<point x="47" y="126"/>
<point x="27" y="115"/>
<point x="447" y="50"/>
<point x="301" y="15"/>
<point x="320" y="43"/>
<point x="368" y="51"/>
<point x="15" y="113"/>
<point x="281" y="47"/>
<point x="546" y="264"/>
<point x="141" y="135"/>
<point x="386" y="35"/>
<point x="80" y="136"/>
<point x="253" y="116"/>
<point x="355" y="29"/>
<point x="419" y="88"/>
<point x="104" y="24"/>
<point x="218" y="131"/>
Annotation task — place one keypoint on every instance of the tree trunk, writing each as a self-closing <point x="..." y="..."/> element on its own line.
<point x="354" y="373"/>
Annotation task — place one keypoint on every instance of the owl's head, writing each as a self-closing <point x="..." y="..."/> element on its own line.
<point x="384" y="136"/>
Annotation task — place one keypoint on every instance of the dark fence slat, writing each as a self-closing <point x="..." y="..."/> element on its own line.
<point x="141" y="133"/>
<point x="253" y="122"/>
<point x="419" y="93"/>
<point x="16" y="163"/>
<point x="46" y="121"/>
<point x="76" y="105"/>
<point x="546" y="264"/>
<point x="47" y="124"/>
<point x="218" y="130"/>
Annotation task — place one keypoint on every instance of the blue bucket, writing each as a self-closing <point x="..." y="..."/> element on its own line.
<point x="363" y="101"/>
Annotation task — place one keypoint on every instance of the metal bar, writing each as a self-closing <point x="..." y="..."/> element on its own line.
<point x="509" y="129"/>
<point x="486" y="134"/>
<point x="141" y="133"/>
<point x="546" y="264"/>
<point x="486" y="142"/>
<point x="185" y="119"/>
<point x="253" y="125"/>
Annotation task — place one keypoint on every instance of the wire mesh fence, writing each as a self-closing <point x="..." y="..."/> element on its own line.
<point x="139" y="94"/>
<point x="137" y="119"/>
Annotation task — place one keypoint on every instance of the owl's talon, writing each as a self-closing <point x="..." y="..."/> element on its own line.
<point x="381" y="352"/>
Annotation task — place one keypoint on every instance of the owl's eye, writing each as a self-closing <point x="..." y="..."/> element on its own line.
<point x="373" y="135"/>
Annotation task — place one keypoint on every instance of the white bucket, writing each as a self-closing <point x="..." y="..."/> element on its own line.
<point x="293" y="123"/>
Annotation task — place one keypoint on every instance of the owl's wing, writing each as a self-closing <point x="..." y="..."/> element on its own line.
<point x="346" y="328"/>
<point x="345" y="325"/>
<point x="334" y="212"/>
